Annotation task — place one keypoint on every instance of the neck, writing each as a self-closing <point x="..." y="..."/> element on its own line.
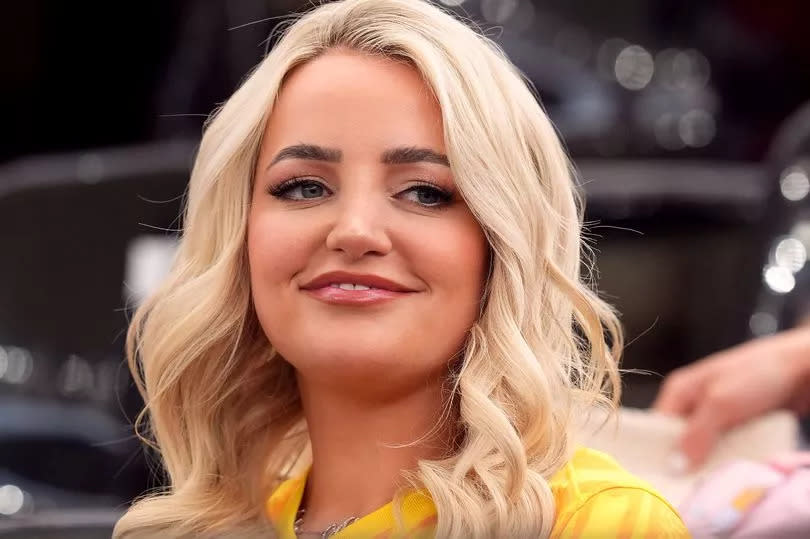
<point x="354" y="469"/>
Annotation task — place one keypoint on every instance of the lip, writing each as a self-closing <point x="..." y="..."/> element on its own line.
<point x="370" y="280"/>
<point x="381" y="290"/>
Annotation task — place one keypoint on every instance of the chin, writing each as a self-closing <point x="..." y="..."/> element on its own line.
<point x="350" y="362"/>
<point x="353" y="354"/>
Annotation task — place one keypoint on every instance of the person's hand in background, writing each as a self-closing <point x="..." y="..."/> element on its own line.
<point x="733" y="386"/>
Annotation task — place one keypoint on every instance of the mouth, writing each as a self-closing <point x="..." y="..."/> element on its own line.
<point x="343" y="288"/>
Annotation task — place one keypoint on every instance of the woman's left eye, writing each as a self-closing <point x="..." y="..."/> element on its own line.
<point x="427" y="195"/>
<point x="299" y="189"/>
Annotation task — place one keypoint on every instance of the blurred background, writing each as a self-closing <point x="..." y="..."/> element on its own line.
<point x="689" y="123"/>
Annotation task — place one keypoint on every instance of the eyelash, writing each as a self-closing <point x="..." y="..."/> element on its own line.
<point x="284" y="187"/>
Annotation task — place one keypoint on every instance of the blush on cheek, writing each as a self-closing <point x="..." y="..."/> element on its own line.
<point x="272" y="248"/>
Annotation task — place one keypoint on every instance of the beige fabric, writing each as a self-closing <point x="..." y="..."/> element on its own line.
<point x="643" y="442"/>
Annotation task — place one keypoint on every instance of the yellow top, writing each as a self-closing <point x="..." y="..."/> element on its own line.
<point x="594" y="497"/>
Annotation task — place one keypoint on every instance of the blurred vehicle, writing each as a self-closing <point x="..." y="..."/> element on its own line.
<point x="82" y="237"/>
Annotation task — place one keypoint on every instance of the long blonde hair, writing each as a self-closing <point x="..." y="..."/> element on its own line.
<point x="223" y="408"/>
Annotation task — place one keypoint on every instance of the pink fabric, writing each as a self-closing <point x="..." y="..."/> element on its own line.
<point x="747" y="499"/>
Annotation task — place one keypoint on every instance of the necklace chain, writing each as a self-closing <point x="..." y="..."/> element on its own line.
<point x="331" y="530"/>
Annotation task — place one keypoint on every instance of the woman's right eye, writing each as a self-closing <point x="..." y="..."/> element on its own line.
<point x="299" y="189"/>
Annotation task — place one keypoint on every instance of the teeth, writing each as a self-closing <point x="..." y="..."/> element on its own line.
<point x="350" y="286"/>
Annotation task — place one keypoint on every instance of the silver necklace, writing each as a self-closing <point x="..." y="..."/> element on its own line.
<point x="331" y="530"/>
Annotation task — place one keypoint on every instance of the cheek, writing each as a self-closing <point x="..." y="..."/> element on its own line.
<point x="275" y="254"/>
<point x="266" y="239"/>
<point x="455" y="263"/>
<point x="453" y="260"/>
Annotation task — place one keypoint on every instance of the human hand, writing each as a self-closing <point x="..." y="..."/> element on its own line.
<point x="733" y="386"/>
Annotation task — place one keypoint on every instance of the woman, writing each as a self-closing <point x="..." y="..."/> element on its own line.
<point x="375" y="326"/>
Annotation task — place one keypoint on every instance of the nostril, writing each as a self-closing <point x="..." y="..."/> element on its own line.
<point x="359" y="243"/>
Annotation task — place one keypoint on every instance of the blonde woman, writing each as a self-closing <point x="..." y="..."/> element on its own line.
<point x="375" y="325"/>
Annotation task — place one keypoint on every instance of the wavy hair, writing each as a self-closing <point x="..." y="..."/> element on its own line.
<point x="223" y="408"/>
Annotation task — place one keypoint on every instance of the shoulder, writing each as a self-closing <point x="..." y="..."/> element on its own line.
<point x="594" y="495"/>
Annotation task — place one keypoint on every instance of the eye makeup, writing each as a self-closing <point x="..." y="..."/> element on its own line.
<point x="425" y="193"/>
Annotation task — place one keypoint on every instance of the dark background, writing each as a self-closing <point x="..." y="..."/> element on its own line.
<point x="92" y="74"/>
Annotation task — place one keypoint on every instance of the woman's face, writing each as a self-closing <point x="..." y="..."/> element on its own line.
<point x="352" y="187"/>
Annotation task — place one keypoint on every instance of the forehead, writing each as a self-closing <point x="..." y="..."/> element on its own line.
<point x="346" y="96"/>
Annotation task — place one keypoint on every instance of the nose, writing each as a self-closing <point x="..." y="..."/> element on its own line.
<point x="359" y="228"/>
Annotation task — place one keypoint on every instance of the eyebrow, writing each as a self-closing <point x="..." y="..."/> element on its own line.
<point x="394" y="156"/>
<point x="307" y="151"/>
<point x="402" y="156"/>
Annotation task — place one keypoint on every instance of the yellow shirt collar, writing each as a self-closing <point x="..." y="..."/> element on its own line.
<point x="418" y="513"/>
